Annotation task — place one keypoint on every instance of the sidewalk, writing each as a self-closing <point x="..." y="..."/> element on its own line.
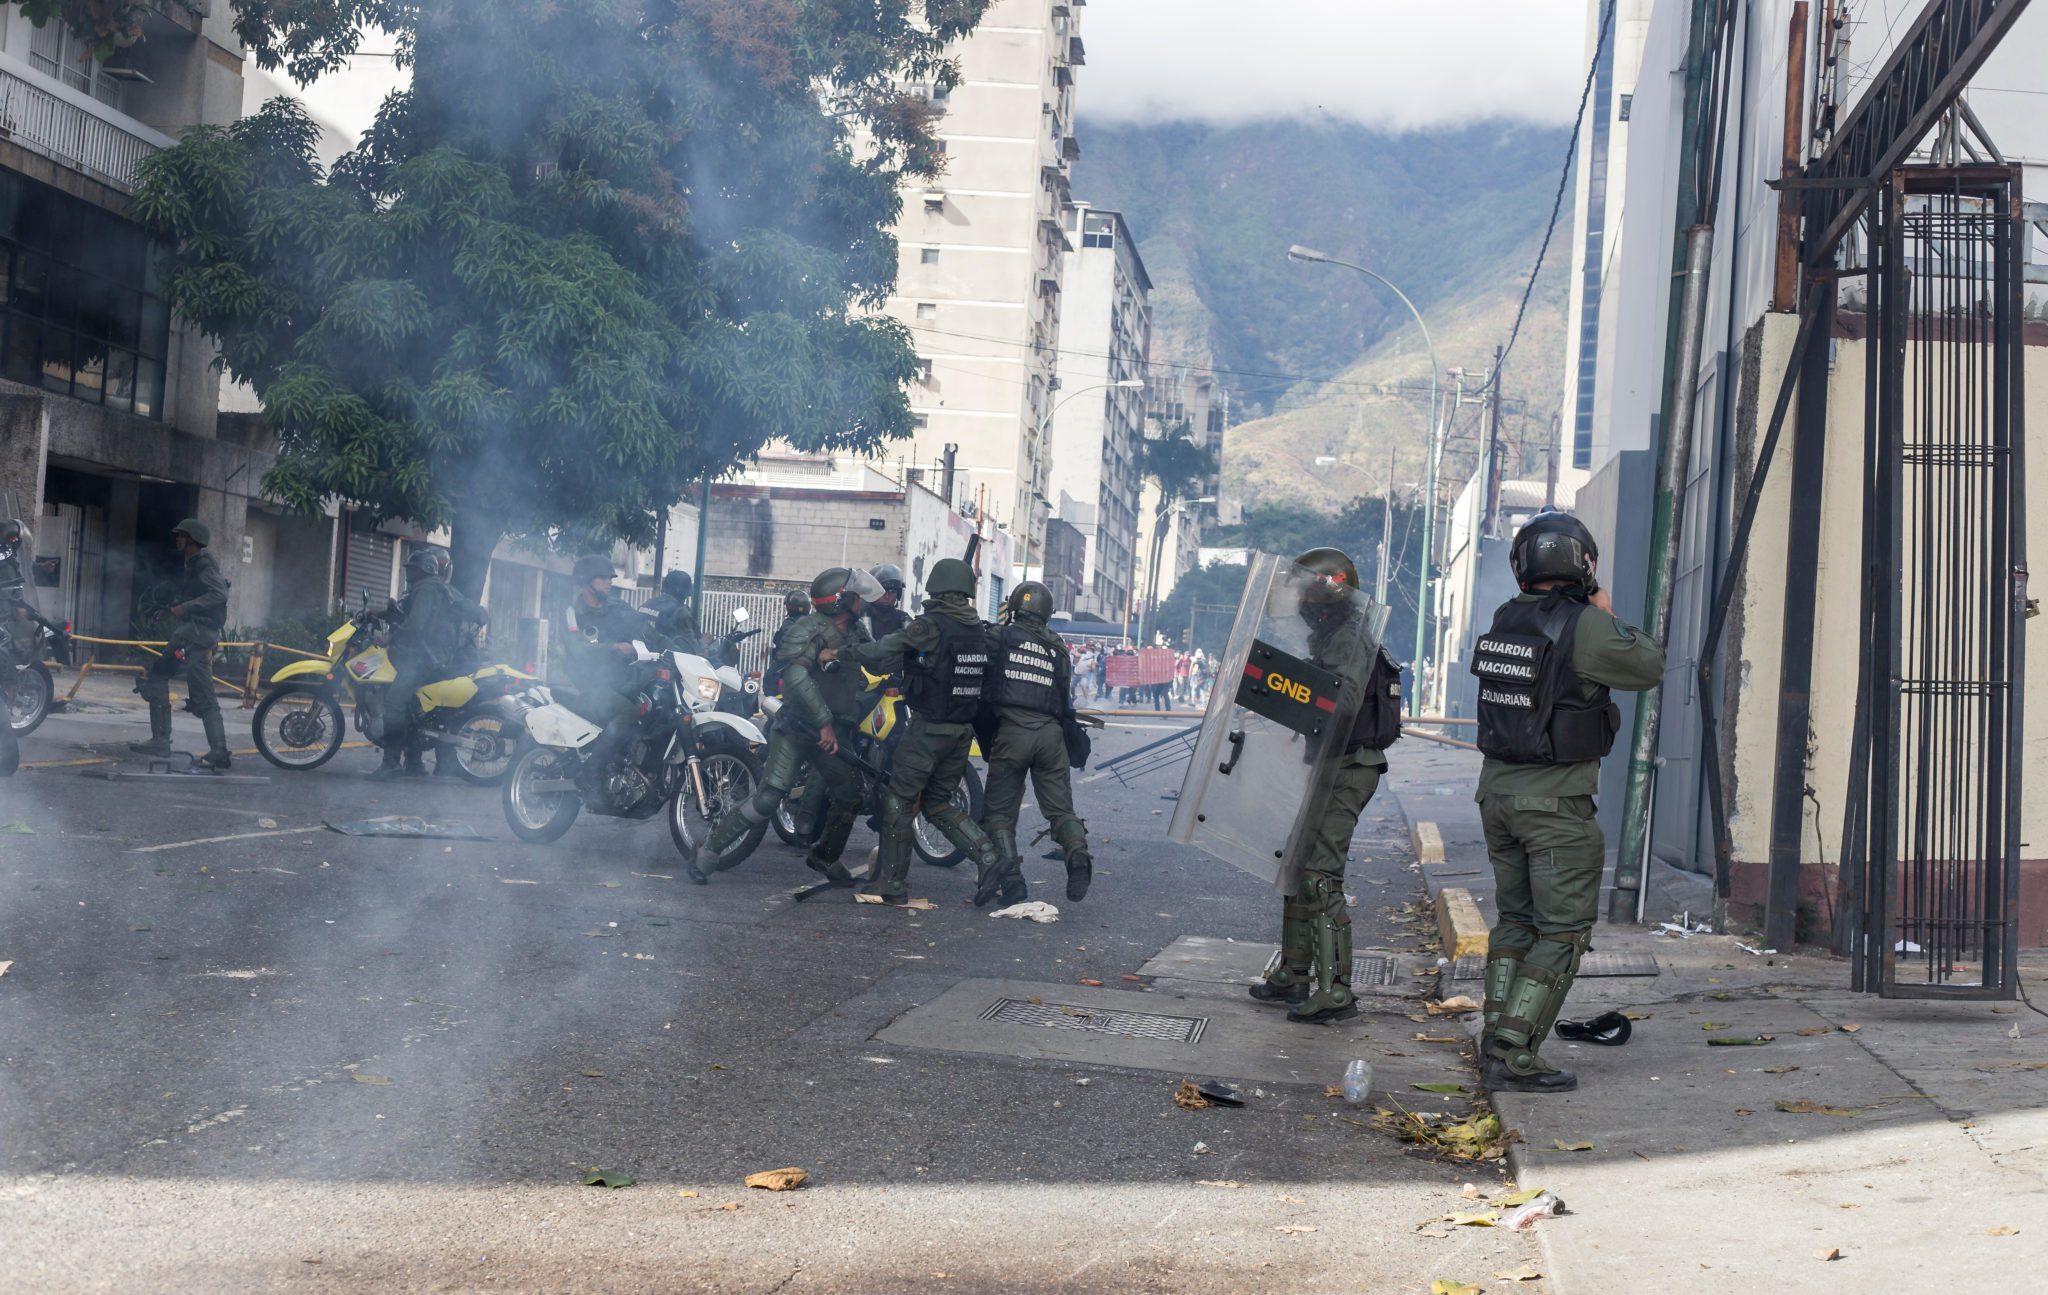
<point x="1917" y="1132"/>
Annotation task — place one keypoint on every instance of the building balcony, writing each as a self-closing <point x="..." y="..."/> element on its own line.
<point x="74" y="129"/>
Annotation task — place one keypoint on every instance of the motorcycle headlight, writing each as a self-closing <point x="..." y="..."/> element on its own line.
<point x="708" y="687"/>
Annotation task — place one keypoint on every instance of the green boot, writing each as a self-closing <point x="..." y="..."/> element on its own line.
<point x="1510" y="1062"/>
<point x="1329" y="991"/>
<point x="1500" y="977"/>
<point x="1287" y="975"/>
<point x="891" y="881"/>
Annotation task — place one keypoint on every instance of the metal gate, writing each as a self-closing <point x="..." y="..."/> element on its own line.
<point x="1933" y="842"/>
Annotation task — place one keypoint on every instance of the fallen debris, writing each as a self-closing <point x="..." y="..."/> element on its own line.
<point x="1295" y="1229"/>
<point x="1220" y="1093"/>
<point x="779" y="1180"/>
<point x="1562" y="1145"/>
<point x="1526" y="1273"/>
<point x="1478" y="1138"/>
<point x="1806" y="1106"/>
<point x="1543" y="1205"/>
<point x="1217" y="1182"/>
<point x="5" y="965"/>
<point x="607" y="1178"/>
<point x="371" y="1079"/>
<point x="1829" y="1255"/>
<point x="405" y="825"/>
<point x="1450" y="1006"/>
<point x="16" y="828"/>
<point x="1189" y="1097"/>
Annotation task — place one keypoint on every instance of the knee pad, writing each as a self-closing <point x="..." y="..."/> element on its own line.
<point x="896" y="816"/>
<point x="754" y="812"/>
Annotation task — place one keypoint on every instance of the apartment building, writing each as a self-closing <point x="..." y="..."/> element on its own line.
<point x="1098" y="421"/>
<point x="109" y="427"/>
<point x="982" y="271"/>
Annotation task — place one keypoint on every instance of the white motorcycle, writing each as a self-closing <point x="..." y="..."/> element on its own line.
<point x="684" y="754"/>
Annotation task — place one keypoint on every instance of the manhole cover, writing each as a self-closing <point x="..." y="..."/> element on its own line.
<point x="1372" y="971"/>
<point x="1473" y="966"/>
<point x="1097" y="1020"/>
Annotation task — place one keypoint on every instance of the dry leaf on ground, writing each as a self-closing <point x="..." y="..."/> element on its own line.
<point x="371" y="1079"/>
<point x="1333" y="1091"/>
<point x="1482" y="1219"/>
<point x="1295" y="1229"/>
<point x="1189" y="1097"/>
<point x="2001" y="1232"/>
<point x="687" y="1194"/>
<point x="1445" y="1286"/>
<point x="1828" y="1254"/>
<point x="1217" y="1182"/>
<point x="779" y="1180"/>
<point x="729" y="1206"/>
<point x="1438" y="1038"/>
<point x="607" y="1178"/>
<point x="1096" y="983"/>
<point x="921" y="905"/>
<point x="1851" y="1028"/>
<point x="867" y="899"/>
<point x="1450" y="1006"/>
<point x="1562" y="1145"/>
<point x="1637" y="1016"/>
<point x="1526" y="1273"/>
<point x="1779" y="1070"/>
<point x="1471" y="1192"/>
<point x="1806" y="1106"/>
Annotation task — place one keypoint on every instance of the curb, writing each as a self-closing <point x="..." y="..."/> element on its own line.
<point x="1427" y="842"/>
<point x="1459" y="924"/>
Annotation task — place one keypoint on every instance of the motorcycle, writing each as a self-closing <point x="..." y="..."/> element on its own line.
<point x="27" y="643"/>
<point x="685" y="756"/>
<point x="724" y="653"/>
<point x="299" y="724"/>
<point x="874" y="741"/>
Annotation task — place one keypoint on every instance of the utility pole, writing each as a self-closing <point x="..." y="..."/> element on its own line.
<point x="1491" y="524"/>
<point x="1555" y="448"/>
<point x="1386" y="533"/>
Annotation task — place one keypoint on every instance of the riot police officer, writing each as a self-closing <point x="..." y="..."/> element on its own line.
<point x="945" y="657"/>
<point x="796" y="604"/>
<point x="597" y="629"/>
<point x="886" y="614"/>
<point x="427" y="631"/>
<point x="1545" y="721"/>
<point x="673" y="611"/>
<point x="199" y="604"/>
<point x="819" y="705"/>
<point x="1313" y="971"/>
<point x="1032" y="690"/>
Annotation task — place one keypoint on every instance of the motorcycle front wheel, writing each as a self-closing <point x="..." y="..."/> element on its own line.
<point x="786" y="816"/>
<point x="534" y="814"/>
<point x="298" y="728"/>
<point x="730" y="777"/>
<point x="28" y="699"/>
<point x="932" y="845"/>
<point x="484" y="746"/>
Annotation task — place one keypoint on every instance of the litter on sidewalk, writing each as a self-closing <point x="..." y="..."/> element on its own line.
<point x="1034" y="910"/>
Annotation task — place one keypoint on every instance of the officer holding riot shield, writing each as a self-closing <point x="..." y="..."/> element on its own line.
<point x="1290" y="752"/>
<point x="1546" y="720"/>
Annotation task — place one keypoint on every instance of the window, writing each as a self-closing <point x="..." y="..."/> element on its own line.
<point x="924" y="372"/>
<point x="57" y="52"/>
<point x="927" y="310"/>
<point x="82" y="316"/>
<point x="928" y="256"/>
<point x="920" y="421"/>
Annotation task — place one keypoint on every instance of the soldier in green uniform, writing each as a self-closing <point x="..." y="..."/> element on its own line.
<point x="945" y="654"/>
<point x="1313" y="972"/>
<point x="200" y="607"/>
<point x="1032" y="689"/>
<point x="1545" y="722"/>
<point x="816" y="704"/>
<point x="673" y="611"/>
<point x="427" y="631"/>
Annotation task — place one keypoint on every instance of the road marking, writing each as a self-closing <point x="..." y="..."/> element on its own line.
<point x="67" y="764"/>
<point x="234" y="836"/>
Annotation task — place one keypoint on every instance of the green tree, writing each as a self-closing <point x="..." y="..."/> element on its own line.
<point x="595" y="252"/>
<point x="1175" y="462"/>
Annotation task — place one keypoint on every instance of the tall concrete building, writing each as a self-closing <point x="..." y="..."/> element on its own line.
<point x="109" y="427"/>
<point x="1098" y="424"/>
<point x="982" y="251"/>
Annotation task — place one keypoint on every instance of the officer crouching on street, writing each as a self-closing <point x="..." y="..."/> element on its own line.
<point x="945" y="658"/>
<point x="200" y="606"/>
<point x="1032" y="689"/>
<point x="1545" y="722"/>
<point x="1313" y="972"/>
<point x="816" y="704"/>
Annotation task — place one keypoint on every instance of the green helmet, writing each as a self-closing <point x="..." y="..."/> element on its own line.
<point x="840" y="588"/>
<point x="1031" y="599"/>
<point x="950" y="576"/>
<point x="195" y="530"/>
<point x="1335" y="568"/>
<point x="592" y="565"/>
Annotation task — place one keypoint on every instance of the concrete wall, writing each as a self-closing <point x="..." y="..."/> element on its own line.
<point x="778" y="534"/>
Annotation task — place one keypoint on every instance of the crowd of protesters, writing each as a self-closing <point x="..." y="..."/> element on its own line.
<point x="1193" y="674"/>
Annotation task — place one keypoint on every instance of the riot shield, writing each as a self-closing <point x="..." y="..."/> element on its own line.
<point x="1288" y="688"/>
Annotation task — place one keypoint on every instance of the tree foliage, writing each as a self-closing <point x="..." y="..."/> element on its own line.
<point x="1175" y="462"/>
<point x="596" y="251"/>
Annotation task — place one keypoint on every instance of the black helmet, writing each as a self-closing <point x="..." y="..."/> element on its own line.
<point x="889" y="576"/>
<point x="1336" y="575"/>
<point x="592" y="565"/>
<point x="428" y="563"/>
<point x="796" y="602"/>
<point x="1031" y="599"/>
<point x="1553" y="546"/>
<point x="678" y="585"/>
<point x="13" y="533"/>
<point x="950" y="576"/>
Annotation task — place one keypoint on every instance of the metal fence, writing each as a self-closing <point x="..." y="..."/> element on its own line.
<point x="34" y="115"/>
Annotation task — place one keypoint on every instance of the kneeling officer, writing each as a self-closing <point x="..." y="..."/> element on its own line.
<point x="816" y="703"/>
<point x="1545" y="722"/>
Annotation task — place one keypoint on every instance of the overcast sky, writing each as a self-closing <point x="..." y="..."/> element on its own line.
<point x="1403" y="63"/>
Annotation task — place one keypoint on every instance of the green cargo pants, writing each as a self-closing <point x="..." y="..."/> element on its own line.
<point x="1315" y="923"/>
<point x="1548" y="855"/>
<point x="788" y="752"/>
<point x="926" y="770"/>
<point x="1039" y="752"/>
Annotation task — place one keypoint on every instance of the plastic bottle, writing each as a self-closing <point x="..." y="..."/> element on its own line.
<point x="1358" y="1082"/>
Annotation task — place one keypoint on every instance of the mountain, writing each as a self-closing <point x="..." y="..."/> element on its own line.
<point x="1317" y="359"/>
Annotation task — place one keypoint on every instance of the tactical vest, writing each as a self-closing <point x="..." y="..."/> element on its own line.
<point x="1028" y="673"/>
<point x="1532" y="706"/>
<point x="1378" y="725"/>
<point x="944" y="685"/>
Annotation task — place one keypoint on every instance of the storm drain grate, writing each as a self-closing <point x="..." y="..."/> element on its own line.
<point x="1129" y="1025"/>
<point x="1373" y="971"/>
<point x="1473" y="966"/>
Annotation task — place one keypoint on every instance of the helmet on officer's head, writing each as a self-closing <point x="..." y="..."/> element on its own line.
<point x="428" y="563"/>
<point x="1553" y="546"/>
<point x="889" y="576"/>
<point x="592" y="565"/>
<point x="678" y="585"/>
<point x="843" y="589"/>
<point x="195" y="530"/>
<point x="14" y="533"/>
<point x="950" y="576"/>
<point x="1031" y="599"/>
<point x="1335" y="575"/>
<point x="796" y="602"/>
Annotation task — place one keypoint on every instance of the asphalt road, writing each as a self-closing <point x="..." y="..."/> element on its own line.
<point x="290" y="1059"/>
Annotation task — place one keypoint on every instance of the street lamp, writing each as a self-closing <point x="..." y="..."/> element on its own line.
<point x="1044" y="443"/>
<point x="1422" y="608"/>
<point x="1176" y="506"/>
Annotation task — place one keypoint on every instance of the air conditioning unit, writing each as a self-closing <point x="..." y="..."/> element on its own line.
<point x="934" y="199"/>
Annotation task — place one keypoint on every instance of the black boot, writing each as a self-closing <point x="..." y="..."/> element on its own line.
<point x="1497" y="1076"/>
<point x="1322" y="1015"/>
<point x="1268" y="992"/>
<point x="159" y="731"/>
<point x="1014" y="892"/>
<point x="1080" y="871"/>
<point x="831" y="870"/>
<point x="217" y="757"/>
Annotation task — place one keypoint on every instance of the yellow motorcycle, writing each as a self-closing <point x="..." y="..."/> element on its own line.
<point x="299" y="723"/>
